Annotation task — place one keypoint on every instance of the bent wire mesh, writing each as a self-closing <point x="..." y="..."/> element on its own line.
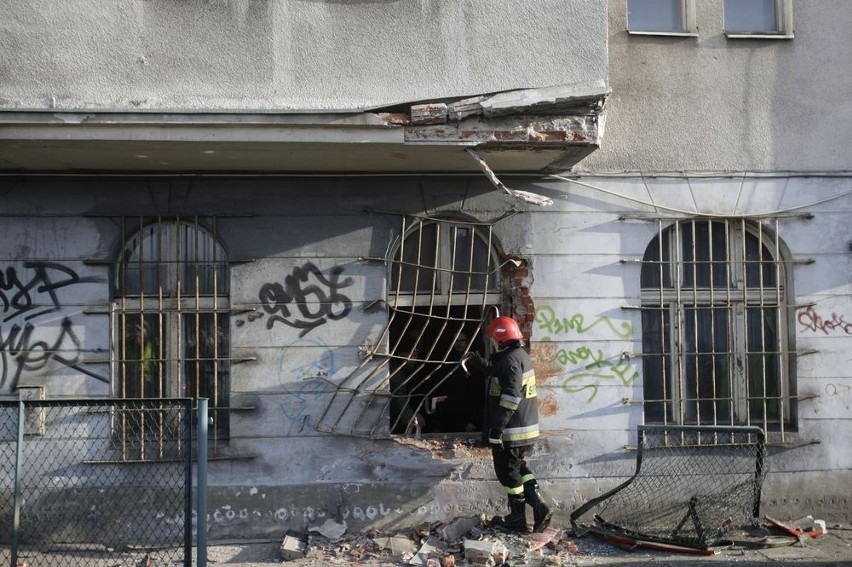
<point x="692" y="486"/>
<point x="444" y="280"/>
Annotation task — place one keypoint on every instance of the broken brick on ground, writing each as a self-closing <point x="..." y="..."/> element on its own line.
<point x="466" y="540"/>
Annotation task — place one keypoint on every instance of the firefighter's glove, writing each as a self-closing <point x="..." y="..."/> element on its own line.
<point x="495" y="438"/>
<point x="474" y="363"/>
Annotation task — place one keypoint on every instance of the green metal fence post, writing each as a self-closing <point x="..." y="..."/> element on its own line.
<point x="201" y="501"/>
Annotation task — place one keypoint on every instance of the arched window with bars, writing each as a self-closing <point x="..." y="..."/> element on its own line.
<point x="171" y="314"/>
<point x="715" y="326"/>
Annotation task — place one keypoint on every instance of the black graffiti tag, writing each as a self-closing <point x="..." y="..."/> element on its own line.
<point x="16" y="297"/>
<point x="277" y="299"/>
<point x="19" y="352"/>
<point x="29" y="298"/>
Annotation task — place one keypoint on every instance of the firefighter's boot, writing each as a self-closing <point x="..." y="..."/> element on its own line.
<point x="516" y="520"/>
<point x="541" y="512"/>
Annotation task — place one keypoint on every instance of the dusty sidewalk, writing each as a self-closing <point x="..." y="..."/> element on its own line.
<point x="558" y="547"/>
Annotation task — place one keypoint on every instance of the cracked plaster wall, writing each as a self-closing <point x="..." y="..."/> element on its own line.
<point x="280" y="473"/>
<point x="238" y="55"/>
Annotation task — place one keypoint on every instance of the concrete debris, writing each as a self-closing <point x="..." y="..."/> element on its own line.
<point x="330" y="529"/>
<point x="432" y="549"/>
<point x="459" y="528"/>
<point x="485" y="553"/>
<point x="539" y="540"/>
<point x="398" y="545"/>
<point x="464" y="108"/>
<point x="292" y="548"/>
<point x="465" y="541"/>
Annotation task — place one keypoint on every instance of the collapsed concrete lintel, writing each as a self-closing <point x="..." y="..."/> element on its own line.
<point x="566" y="118"/>
<point x="552" y="100"/>
<point x="549" y="128"/>
<point x="537" y="130"/>
<point x="556" y="100"/>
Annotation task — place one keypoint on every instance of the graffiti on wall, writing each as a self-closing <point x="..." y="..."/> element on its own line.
<point x="549" y="322"/>
<point x="306" y="382"/>
<point x="810" y="320"/>
<point x="30" y="346"/>
<point x="840" y="392"/>
<point x="36" y="295"/>
<point x="227" y="514"/>
<point x="237" y="513"/>
<point x="583" y="369"/>
<point x="290" y="369"/>
<point x="306" y="299"/>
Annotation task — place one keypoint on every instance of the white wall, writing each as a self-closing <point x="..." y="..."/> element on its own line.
<point x="709" y="103"/>
<point x="214" y="55"/>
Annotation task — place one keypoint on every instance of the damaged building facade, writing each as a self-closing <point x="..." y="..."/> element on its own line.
<point x="306" y="212"/>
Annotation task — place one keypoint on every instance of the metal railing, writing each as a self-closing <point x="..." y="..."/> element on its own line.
<point x="96" y="482"/>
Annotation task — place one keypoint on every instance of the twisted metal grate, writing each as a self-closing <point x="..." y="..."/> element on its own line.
<point x="96" y="482"/>
<point x="444" y="280"/>
<point x="692" y="486"/>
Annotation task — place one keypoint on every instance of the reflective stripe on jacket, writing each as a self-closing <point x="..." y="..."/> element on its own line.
<point x="512" y="401"/>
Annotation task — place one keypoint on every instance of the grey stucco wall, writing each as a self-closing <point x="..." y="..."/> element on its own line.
<point x="709" y="103"/>
<point x="235" y="55"/>
<point x="297" y="476"/>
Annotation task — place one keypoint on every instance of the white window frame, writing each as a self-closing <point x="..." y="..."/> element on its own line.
<point x="689" y="25"/>
<point x="783" y="24"/>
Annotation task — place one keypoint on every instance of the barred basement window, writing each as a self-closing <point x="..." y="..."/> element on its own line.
<point x="444" y="281"/>
<point x="171" y="318"/>
<point x="715" y="326"/>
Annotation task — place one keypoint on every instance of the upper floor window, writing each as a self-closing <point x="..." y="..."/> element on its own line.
<point x="673" y="17"/>
<point x="757" y="18"/>
<point x="715" y="327"/>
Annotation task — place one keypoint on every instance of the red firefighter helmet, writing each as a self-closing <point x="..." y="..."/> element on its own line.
<point x="503" y="329"/>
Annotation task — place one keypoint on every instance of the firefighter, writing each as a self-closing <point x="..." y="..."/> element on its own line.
<point x="512" y="421"/>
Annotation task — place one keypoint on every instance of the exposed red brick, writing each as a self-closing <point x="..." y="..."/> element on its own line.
<point x="395" y="118"/>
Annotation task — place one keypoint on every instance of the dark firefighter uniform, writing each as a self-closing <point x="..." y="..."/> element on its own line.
<point x="513" y="414"/>
<point x="513" y="426"/>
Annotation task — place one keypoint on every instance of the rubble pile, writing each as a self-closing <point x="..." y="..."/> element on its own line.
<point x="465" y="541"/>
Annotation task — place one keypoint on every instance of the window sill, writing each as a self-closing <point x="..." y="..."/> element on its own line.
<point x="730" y="35"/>
<point x="234" y="457"/>
<point x="664" y="33"/>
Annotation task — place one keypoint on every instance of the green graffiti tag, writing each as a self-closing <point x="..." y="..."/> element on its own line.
<point x="600" y="369"/>
<point x="596" y="367"/>
<point x="549" y="322"/>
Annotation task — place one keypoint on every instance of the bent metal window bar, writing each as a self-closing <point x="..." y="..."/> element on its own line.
<point x="444" y="279"/>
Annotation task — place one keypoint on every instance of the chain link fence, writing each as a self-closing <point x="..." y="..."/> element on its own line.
<point x="96" y="482"/>
<point x="692" y="485"/>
